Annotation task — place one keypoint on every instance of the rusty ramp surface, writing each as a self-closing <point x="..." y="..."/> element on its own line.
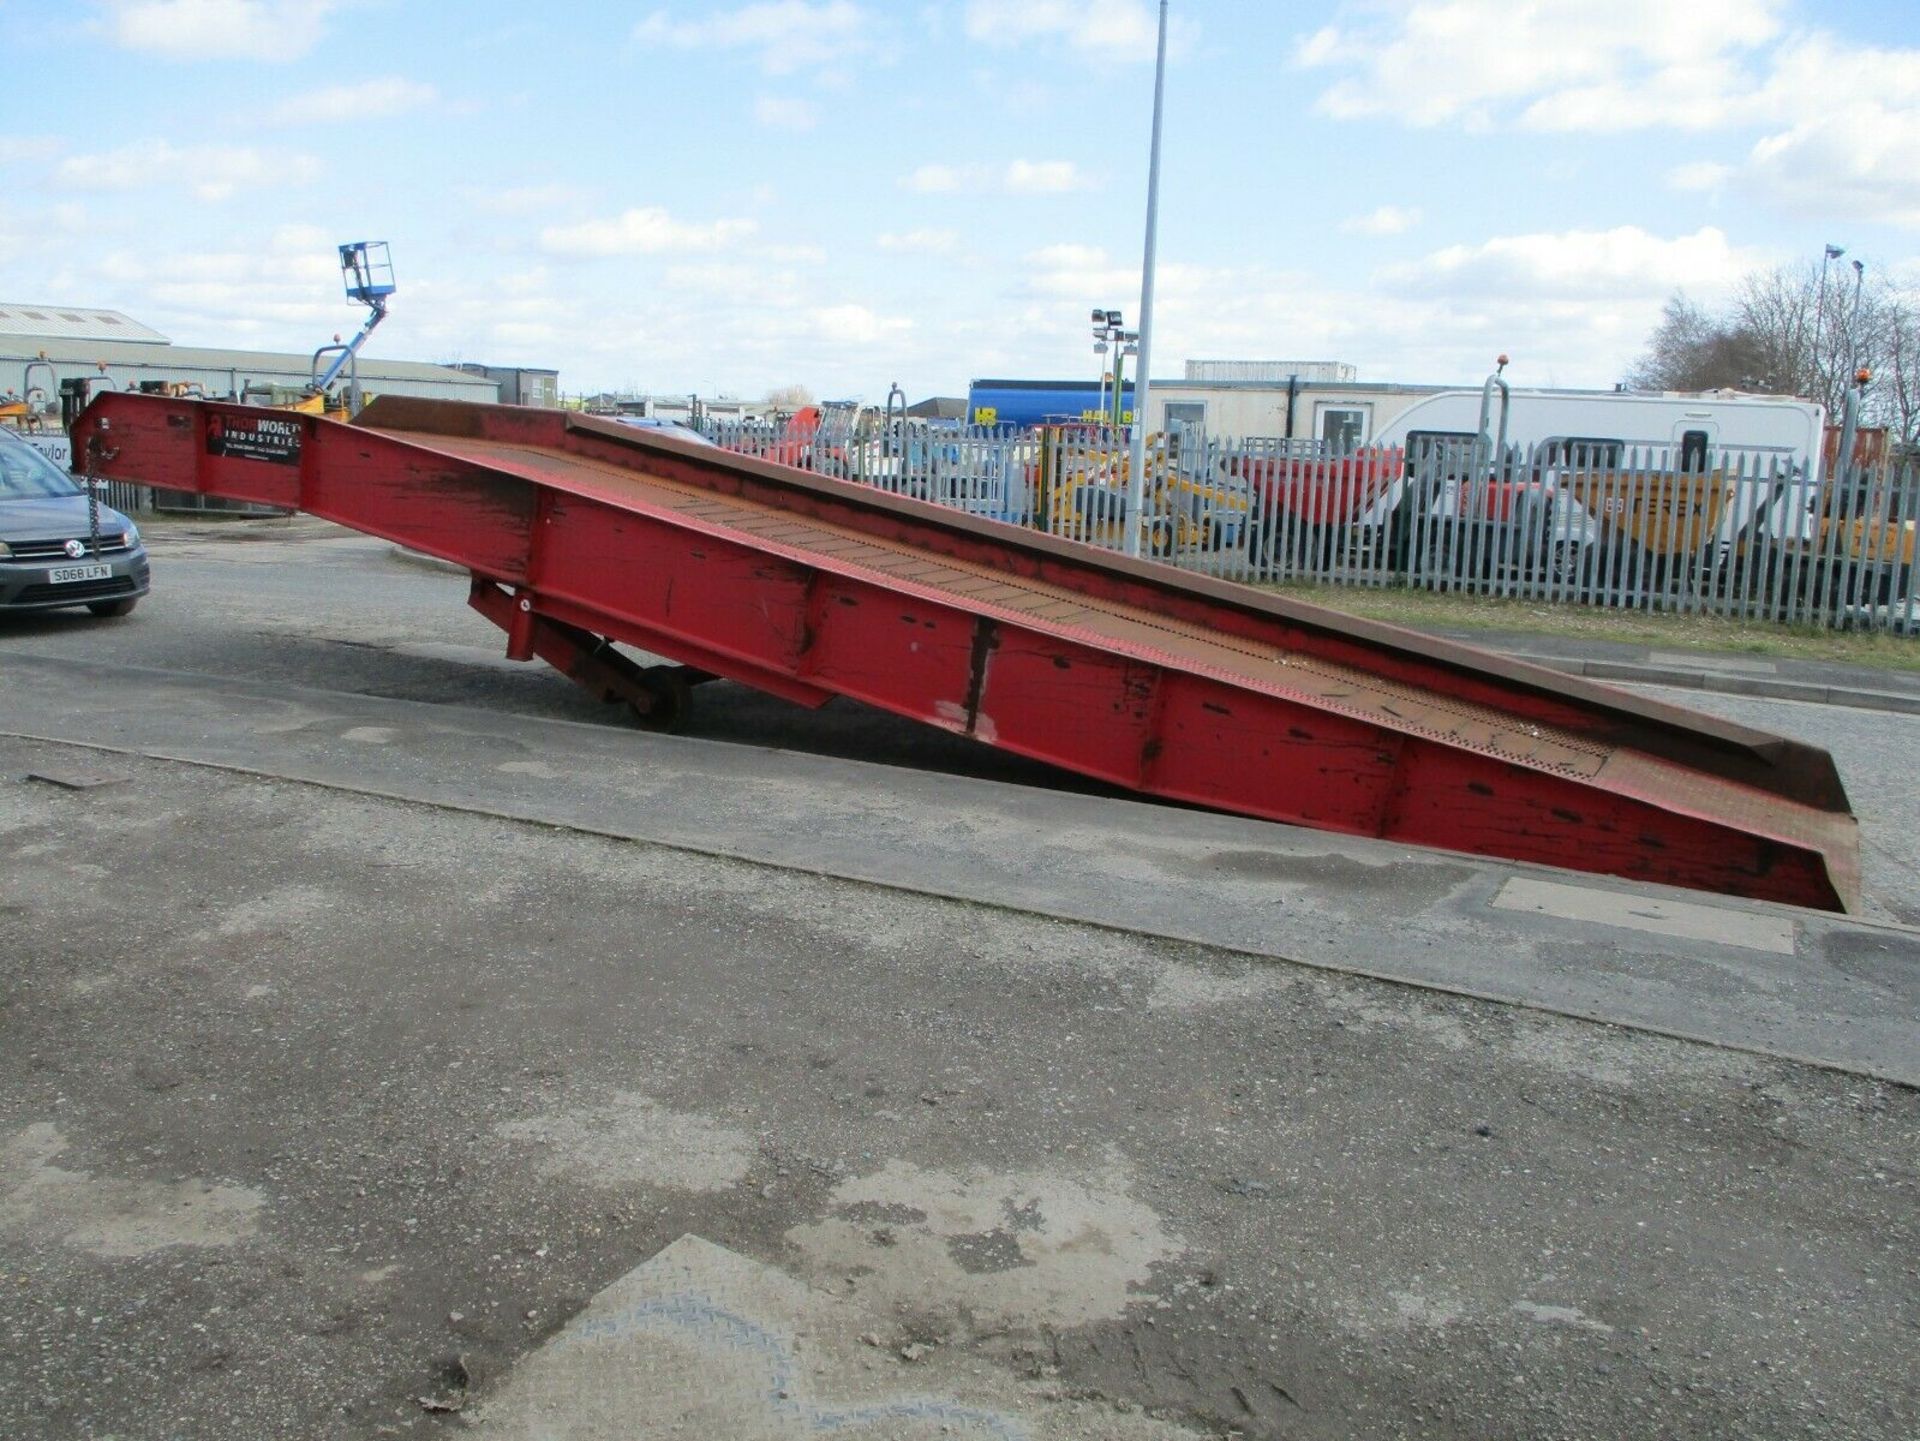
<point x="582" y="533"/>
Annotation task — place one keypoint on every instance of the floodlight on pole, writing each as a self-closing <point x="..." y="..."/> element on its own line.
<point x="1142" y="382"/>
<point x="1106" y="335"/>
<point x="1822" y="330"/>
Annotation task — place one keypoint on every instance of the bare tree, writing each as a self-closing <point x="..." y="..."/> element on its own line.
<point x="1692" y="350"/>
<point x="1787" y="321"/>
<point x="789" y="397"/>
<point x="1794" y="331"/>
<point x="1896" y="388"/>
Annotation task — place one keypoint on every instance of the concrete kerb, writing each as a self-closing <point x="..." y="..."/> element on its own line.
<point x="1766" y="687"/>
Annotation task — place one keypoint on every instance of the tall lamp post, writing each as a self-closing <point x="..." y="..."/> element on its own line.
<point x="1821" y="331"/>
<point x="1853" y="322"/>
<point x="1137" y="469"/>
<point x="1100" y="350"/>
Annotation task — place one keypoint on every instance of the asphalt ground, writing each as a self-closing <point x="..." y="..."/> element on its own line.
<point x="314" y="1104"/>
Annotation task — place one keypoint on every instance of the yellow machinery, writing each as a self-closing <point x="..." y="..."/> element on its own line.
<point x="1082" y="493"/>
<point x="1663" y="521"/>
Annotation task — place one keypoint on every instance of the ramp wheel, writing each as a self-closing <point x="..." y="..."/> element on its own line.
<point x="669" y="697"/>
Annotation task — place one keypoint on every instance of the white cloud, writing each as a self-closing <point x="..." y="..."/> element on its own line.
<point x="541" y="199"/>
<point x="1114" y="29"/>
<point x="724" y="283"/>
<point x="788" y="35"/>
<point x="1043" y="177"/>
<point x="1699" y="175"/>
<point x="1860" y="160"/>
<point x="210" y="172"/>
<point x="934" y="179"/>
<point x="1385" y="220"/>
<point x="856" y="325"/>
<point x="1071" y="271"/>
<point x="1019" y="177"/>
<point x="1577" y="265"/>
<point x="289" y="285"/>
<point x="781" y="113"/>
<point x="919" y="242"/>
<point x="272" y="30"/>
<point x="367" y="100"/>
<point x="1851" y="147"/>
<point x="1833" y="128"/>
<point x="1566" y="64"/>
<point x="1557" y="303"/>
<point x="790" y="254"/>
<point x="647" y="230"/>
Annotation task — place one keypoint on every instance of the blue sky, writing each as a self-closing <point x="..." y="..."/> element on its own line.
<point x="845" y="193"/>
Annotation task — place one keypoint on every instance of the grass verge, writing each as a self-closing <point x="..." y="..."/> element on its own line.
<point x="1726" y="635"/>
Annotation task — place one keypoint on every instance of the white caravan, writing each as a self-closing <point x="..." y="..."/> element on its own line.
<point x="1774" y="439"/>
<point x="1687" y="425"/>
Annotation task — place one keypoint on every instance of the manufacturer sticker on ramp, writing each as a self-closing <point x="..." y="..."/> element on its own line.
<point x="267" y="437"/>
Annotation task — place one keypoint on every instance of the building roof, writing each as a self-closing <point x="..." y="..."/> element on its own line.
<point x="73" y="322"/>
<point x="939" y="407"/>
<point x="1269" y="371"/>
<point x="246" y="363"/>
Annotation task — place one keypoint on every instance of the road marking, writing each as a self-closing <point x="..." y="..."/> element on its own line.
<point x="1658" y="915"/>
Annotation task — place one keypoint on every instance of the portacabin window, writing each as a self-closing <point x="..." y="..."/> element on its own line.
<point x="1343" y="428"/>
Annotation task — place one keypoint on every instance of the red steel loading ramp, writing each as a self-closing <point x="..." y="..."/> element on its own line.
<point x="580" y="531"/>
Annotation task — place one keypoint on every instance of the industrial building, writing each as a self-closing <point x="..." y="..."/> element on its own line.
<point x="680" y="406"/>
<point x="1291" y="400"/>
<point x="520" y="384"/>
<point x="1288" y="399"/>
<point x="41" y="345"/>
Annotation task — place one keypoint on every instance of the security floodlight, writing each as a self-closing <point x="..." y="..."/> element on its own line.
<point x="1834" y="252"/>
<point x="1099" y="317"/>
<point x="1113" y="317"/>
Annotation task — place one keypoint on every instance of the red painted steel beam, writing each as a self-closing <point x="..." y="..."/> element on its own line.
<point x="1173" y="685"/>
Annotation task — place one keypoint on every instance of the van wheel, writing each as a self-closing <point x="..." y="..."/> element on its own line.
<point x="114" y="608"/>
<point x="1564" y="565"/>
<point x="1446" y="562"/>
<point x="1896" y="585"/>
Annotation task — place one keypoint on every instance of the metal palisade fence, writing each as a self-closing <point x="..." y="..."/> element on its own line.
<point x="1752" y="534"/>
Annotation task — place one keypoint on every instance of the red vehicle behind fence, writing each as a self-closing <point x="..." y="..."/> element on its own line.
<point x="1303" y="508"/>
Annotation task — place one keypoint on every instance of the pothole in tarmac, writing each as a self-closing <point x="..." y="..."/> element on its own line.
<point x="110" y="1216"/>
<point x="990" y="1250"/>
